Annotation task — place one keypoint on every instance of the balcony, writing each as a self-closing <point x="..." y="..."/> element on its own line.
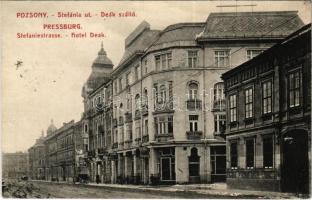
<point x="194" y="135"/>
<point x="128" y="117"/>
<point x="193" y="104"/>
<point x="120" y="121"/>
<point x="137" y="114"/>
<point x="115" y="145"/>
<point x="144" y="110"/>
<point x="114" y="122"/>
<point x="219" y="105"/>
<point x="164" y="107"/>
<point x="163" y="137"/>
<point x="145" y="139"/>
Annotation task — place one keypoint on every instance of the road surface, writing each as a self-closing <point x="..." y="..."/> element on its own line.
<point x="62" y="190"/>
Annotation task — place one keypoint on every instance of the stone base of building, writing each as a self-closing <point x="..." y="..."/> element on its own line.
<point x="253" y="184"/>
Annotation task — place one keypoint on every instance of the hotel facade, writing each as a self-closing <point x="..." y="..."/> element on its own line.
<point x="159" y="115"/>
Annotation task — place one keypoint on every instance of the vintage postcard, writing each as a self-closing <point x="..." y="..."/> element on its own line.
<point x="156" y="99"/>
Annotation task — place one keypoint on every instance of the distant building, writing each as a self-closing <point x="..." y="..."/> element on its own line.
<point x="37" y="159"/>
<point x="268" y="123"/>
<point x="14" y="165"/>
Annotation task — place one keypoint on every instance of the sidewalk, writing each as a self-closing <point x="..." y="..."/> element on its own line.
<point x="208" y="189"/>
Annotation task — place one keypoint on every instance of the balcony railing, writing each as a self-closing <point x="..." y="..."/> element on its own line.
<point x="194" y="135"/>
<point x="128" y="117"/>
<point x="219" y="105"/>
<point x="137" y="114"/>
<point x="145" y="139"/>
<point x="164" y="106"/>
<point x="193" y="104"/>
<point x="163" y="137"/>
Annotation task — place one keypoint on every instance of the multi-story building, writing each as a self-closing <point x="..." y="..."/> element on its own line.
<point x="14" y="165"/>
<point x="62" y="145"/>
<point x="57" y="156"/>
<point x="268" y="123"/>
<point x="37" y="158"/>
<point x="166" y="120"/>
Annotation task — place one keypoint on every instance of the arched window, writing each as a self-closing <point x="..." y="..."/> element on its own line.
<point x="193" y="90"/>
<point x="194" y="163"/>
<point x="137" y="102"/>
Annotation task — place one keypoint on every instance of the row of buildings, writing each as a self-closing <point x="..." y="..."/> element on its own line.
<point x="166" y="114"/>
<point x="14" y="165"/>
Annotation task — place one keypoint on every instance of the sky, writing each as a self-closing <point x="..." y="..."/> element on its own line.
<point x="48" y="83"/>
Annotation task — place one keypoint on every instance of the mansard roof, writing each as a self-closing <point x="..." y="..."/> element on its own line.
<point x="239" y="25"/>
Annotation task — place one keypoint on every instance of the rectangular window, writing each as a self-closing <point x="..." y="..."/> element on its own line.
<point x="164" y="125"/>
<point x="249" y="103"/>
<point x="192" y="59"/>
<point x="163" y="61"/>
<point x="157" y="62"/>
<point x="146" y="127"/>
<point x="137" y="72"/>
<point x="219" y="123"/>
<point x="267" y="97"/>
<point x="250" y="153"/>
<point x="222" y="58"/>
<point x="127" y="79"/>
<point x="253" y="53"/>
<point x="120" y="84"/>
<point x="233" y="155"/>
<point x="233" y="108"/>
<point x="294" y="82"/>
<point x="268" y="152"/>
<point x="193" y="119"/>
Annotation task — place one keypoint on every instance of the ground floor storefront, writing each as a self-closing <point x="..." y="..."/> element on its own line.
<point x="162" y="164"/>
<point x="270" y="159"/>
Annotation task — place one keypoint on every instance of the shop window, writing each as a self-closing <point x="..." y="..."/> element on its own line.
<point x="250" y="153"/>
<point x="268" y="152"/>
<point x="233" y="154"/>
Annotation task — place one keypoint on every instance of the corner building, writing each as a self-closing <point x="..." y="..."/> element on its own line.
<point x="268" y="129"/>
<point x="166" y="98"/>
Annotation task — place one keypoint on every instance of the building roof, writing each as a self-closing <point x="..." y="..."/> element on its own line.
<point x="51" y="128"/>
<point x="277" y="24"/>
<point x="141" y="38"/>
<point x="102" y="58"/>
<point x="180" y="32"/>
<point x="268" y="53"/>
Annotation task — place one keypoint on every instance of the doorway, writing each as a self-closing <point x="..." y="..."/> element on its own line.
<point x="295" y="162"/>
